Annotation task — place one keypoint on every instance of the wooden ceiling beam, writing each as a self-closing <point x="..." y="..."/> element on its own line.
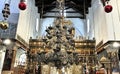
<point x="47" y="16"/>
<point x="45" y="6"/>
<point x="65" y="12"/>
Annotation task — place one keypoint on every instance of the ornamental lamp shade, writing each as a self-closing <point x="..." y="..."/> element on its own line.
<point x="22" y="6"/>
<point x="108" y="8"/>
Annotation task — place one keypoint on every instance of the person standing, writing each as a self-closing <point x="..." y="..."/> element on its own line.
<point x="103" y="70"/>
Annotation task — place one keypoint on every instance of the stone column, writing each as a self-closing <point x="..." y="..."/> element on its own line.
<point x="2" y="56"/>
<point x="14" y="50"/>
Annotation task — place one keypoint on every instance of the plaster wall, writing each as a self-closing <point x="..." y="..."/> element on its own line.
<point x="2" y="55"/>
<point x="27" y="21"/>
<point x="106" y="25"/>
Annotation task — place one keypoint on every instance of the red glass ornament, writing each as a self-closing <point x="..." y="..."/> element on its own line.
<point x="22" y="6"/>
<point x="108" y="8"/>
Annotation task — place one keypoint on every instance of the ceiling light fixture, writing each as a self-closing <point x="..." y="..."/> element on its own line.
<point x="116" y="44"/>
<point x="7" y="41"/>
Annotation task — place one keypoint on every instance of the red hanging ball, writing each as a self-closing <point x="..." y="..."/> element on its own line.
<point x="22" y="6"/>
<point x="108" y="8"/>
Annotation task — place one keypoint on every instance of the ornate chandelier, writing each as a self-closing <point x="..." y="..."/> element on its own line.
<point x="58" y="48"/>
<point x="59" y="39"/>
<point x="58" y="44"/>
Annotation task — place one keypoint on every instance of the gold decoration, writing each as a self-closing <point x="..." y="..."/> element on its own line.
<point x="4" y="25"/>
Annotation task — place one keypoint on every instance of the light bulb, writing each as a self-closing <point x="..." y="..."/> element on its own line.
<point x="116" y="44"/>
<point x="7" y="41"/>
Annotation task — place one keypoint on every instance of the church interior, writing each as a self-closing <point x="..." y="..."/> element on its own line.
<point x="59" y="37"/>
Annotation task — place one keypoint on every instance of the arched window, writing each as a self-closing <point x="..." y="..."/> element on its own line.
<point x="22" y="59"/>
